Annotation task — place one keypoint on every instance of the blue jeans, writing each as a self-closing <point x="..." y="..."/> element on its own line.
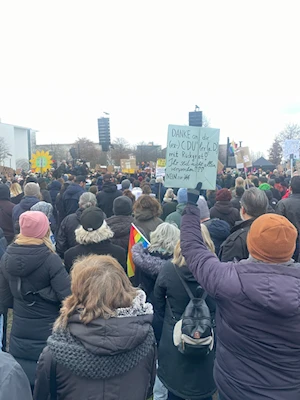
<point x="160" y="392"/>
<point x="1" y="330"/>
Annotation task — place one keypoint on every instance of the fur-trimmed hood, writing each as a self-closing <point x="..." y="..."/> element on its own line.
<point x="149" y="263"/>
<point x="84" y="237"/>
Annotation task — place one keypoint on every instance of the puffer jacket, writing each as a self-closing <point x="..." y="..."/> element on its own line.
<point x="6" y="210"/>
<point x="54" y="189"/>
<point x="24" y="270"/>
<point x="175" y="217"/>
<point x="224" y="210"/>
<point x="120" y="225"/>
<point x="258" y="319"/>
<point x="65" y="238"/>
<point x="103" y="341"/>
<point x="146" y="222"/>
<point x="219" y="231"/>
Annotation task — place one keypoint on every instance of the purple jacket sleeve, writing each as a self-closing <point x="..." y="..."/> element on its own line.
<point x="220" y="280"/>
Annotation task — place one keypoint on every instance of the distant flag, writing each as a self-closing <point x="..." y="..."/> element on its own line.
<point x="232" y="148"/>
<point x="135" y="237"/>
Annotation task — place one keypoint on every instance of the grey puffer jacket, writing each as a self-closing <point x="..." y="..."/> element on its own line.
<point x="88" y="352"/>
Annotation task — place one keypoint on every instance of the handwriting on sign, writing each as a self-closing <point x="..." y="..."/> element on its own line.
<point x="192" y="156"/>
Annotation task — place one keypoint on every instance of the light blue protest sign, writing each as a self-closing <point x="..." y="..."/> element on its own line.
<point x="192" y="157"/>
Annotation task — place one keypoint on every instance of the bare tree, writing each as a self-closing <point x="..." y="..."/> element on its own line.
<point x="4" y="150"/>
<point x="291" y="131"/>
<point x="255" y="155"/>
<point x="88" y="151"/>
<point x="205" y="121"/>
<point x="120" y="149"/>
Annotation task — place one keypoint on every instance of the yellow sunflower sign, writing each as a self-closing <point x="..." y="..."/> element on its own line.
<point x="41" y="161"/>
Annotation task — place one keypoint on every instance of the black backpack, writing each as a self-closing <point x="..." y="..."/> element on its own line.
<point x="193" y="333"/>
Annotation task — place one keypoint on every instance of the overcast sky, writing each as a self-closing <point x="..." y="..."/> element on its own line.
<point x="62" y="63"/>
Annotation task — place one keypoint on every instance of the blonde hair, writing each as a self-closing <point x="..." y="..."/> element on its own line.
<point x="15" y="189"/>
<point x="164" y="238"/>
<point x="99" y="286"/>
<point x="178" y="258"/>
<point x="239" y="181"/>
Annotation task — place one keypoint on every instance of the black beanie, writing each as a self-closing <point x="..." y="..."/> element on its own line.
<point x="92" y="219"/>
<point x="122" y="206"/>
<point x="4" y="192"/>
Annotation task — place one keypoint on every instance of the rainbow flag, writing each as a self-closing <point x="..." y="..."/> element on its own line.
<point x="135" y="237"/>
<point x="232" y="148"/>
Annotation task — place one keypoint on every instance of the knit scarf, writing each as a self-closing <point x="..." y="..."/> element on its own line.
<point x="27" y="241"/>
<point x="69" y="352"/>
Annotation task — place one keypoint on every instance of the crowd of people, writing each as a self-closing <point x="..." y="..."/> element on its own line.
<point x="212" y="308"/>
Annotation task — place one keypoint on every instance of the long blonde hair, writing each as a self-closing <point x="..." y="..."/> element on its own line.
<point x="178" y="258"/>
<point x="15" y="189"/>
<point x="99" y="286"/>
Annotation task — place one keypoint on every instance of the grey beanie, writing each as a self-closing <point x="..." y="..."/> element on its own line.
<point x="122" y="206"/>
<point x="125" y="184"/>
<point x="45" y="208"/>
<point x="203" y="207"/>
<point x="32" y="189"/>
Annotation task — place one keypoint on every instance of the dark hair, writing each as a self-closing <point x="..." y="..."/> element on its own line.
<point x="255" y="182"/>
<point x="263" y="179"/>
<point x="271" y="182"/>
<point x="136" y="183"/>
<point x="129" y="194"/>
<point x="147" y="203"/>
<point x="31" y="179"/>
<point x="147" y="189"/>
<point x="239" y="191"/>
<point x="295" y="184"/>
<point x="255" y="202"/>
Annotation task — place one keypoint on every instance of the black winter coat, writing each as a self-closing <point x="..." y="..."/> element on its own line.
<point x="102" y="248"/>
<point x="71" y="198"/>
<point x="225" y="211"/>
<point x="23" y="270"/>
<point x="120" y="225"/>
<point x="219" y="231"/>
<point x="6" y="209"/>
<point x="290" y="208"/>
<point x="46" y="196"/>
<point x="25" y="205"/>
<point x="109" y="337"/>
<point x="65" y="238"/>
<point x="17" y="199"/>
<point x="236" y="202"/>
<point x="168" y="208"/>
<point x="106" y="197"/>
<point x="235" y="246"/>
<point x="186" y="377"/>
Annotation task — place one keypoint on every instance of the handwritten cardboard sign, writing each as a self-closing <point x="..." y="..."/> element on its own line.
<point x="192" y="157"/>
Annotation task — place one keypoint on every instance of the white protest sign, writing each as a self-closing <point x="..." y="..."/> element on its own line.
<point x="291" y="147"/>
<point x="192" y="157"/>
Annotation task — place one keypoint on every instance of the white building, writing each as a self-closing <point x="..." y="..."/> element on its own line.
<point x="20" y="142"/>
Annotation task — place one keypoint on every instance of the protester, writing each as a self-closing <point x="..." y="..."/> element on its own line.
<point x="128" y="194"/>
<point x="93" y="189"/>
<point x="137" y="190"/>
<point x="146" y="189"/>
<point x="218" y="229"/>
<point x="44" y="192"/>
<point x="47" y="209"/>
<point x="192" y="378"/>
<point x="290" y="208"/>
<point x="236" y="201"/>
<point x="239" y="182"/>
<point x="159" y="189"/>
<point x="33" y="282"/>
<point x="54" y="189"/>
<point x="72" y="194"/>
<point x="258" y="317"/>
<point x="102" y="346"/>
<point x="108" y="194"/>
<point x="120" y="222"/>
<point x="93" y="237"/>
<point x="16" y="193"/>
<point x="211" y="198"/>
<point x="13" y="381"/>
<point x="175" y="217"/>
<point x="32" y="195"/>
<point x="66" y="235"/>
<point x="125" y="184"/>
<point x="148" y="262"/>
<point x="275" y="192"/>
<point x="147" y="211"/>
<point x="169" y="204"/>
<point x="223" y="209"/>
<point x="6" y="210"/>
<point x="254" y="203"/>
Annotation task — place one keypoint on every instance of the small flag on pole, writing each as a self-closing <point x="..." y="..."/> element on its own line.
<point x="135" y="237"/>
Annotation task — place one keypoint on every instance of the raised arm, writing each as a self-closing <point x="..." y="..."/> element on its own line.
<point x="220" y="280"/>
